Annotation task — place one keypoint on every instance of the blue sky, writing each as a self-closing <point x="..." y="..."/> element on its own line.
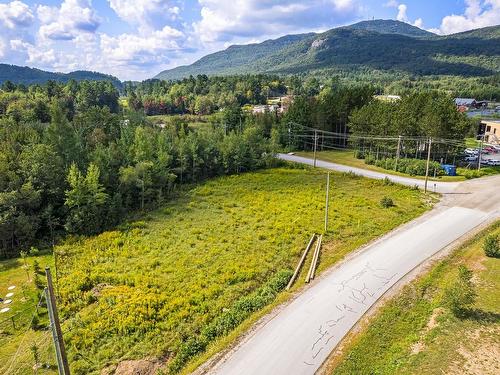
<point x="136" y="39"/>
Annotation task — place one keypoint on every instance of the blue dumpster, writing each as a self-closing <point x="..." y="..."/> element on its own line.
<point x="449" y="169"/>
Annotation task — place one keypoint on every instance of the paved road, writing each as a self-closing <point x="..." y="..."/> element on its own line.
<point x="300" y="337"/>
<point x="440" y="187"/>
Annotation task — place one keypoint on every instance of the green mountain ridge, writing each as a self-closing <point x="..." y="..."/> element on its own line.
<point x="379" y="45"/>
<point x="27" y="76"/>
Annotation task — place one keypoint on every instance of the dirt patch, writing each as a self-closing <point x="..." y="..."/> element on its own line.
<point x="417" y="348"/>
<point x="432" y="323"/>
<point x="134" y="367"/>
<point x="481" y="358"/>
<point x="96" y="291"/>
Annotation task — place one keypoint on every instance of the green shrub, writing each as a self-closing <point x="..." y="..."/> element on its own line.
<point x="387" y="181"/>
<point x="39" y="283"/>
<point x="413" y="167"/>
<point x="491" y="246"/>
<point x="230" y="319"/>
<point x="386" y="202"/>
<point x="461" y="294"/>
<point x="370" y="160"/>
<point x="359" y="154"/>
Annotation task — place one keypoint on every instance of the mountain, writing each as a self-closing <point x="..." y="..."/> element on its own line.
<point x="391" y="27"/>
<point x="368" y="46"/>
<point x="28" y="76"/>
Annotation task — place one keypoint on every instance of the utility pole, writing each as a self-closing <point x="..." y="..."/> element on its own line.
<point x="289" y="136"/>
<point x="327" y="200"/>
<point x="480" y="152"/>
<point x="55" y="326"/>
<point x="315" y="146"/>
<point x="428" y="164"/>
<point x="397" y="154"/>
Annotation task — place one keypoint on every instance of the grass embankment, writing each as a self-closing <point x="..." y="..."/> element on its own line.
<point x="415" y="334"/>
<point x="185" y="281"/>
<point x="16" y="336"/>
<point x="347" y="158"/>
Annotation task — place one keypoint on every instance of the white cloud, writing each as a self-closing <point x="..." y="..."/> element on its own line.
<point x="16" y="14"/>
<point x="146" y="14"/>
<point x="391" y="4"/>
<point x="402" y="13"/>
<point x="419" y="22"/>
<point x="224" y="20"/>
<point x="39" y="56"/>
<point x="67" y="22"/>
<point x="130" y="49"/>
<point x="478" y="13"/>
<point x="3" y="47"/>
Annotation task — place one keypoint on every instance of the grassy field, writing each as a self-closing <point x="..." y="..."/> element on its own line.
<point x="415" y="334"/>
<point x="188" y="278"/>
<point x="16" y="337"/>
<point x="347" y="158"/>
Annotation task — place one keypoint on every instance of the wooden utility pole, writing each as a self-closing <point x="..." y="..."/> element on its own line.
<point x="327" y="200"/>
<point x="397" y="154"/>
<point x="315" y="146"/>
<point x="301" y="262"/>
<point x="428" y="164"/>
<point x="55" y="326"/>
<point x="480" y="152"/>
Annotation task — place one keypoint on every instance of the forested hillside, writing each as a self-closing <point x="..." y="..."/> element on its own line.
<point x="370" y="46"/>
<point x="28" y="76"/>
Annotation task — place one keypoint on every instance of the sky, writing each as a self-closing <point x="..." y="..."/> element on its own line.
<point x="136" y="39"/>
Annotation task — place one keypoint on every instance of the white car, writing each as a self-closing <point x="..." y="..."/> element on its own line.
<point x="470" y="158"/>
<point x="493" y="163"/>
<point x="471" y="151"/>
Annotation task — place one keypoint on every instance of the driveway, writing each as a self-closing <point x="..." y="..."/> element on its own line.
<point x="299" y="337"/>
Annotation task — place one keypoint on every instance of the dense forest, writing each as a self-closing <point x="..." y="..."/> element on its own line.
<point x="31" y="76"/>
<point x="77" y="159"/>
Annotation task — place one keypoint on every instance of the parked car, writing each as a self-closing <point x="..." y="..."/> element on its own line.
<point x="471" y="158"/>
<point x="493" y="162"/>
<point x="471" y="151"/>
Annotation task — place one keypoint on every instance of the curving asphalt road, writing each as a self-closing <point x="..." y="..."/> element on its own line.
<point x="300" y="336"/>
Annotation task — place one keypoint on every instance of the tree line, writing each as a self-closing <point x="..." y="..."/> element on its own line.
<point x="75" y="159"/>
<point x="73" y="162"/>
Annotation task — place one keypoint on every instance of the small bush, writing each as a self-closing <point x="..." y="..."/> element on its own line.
<point x="370" y="160"/>
<point x="491" y="246"/>
<point x="36" y="268"/>
<point x="388" y="182"/>
<point x="359" y="154"/>
<point x="386" y="202"/>
<point x="461" y="294"/>
<point x="413" y="167"/>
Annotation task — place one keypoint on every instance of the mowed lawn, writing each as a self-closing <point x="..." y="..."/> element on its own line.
<point x="415" y="333"/>
<point x="174" y="284"/>
<point x="346" y="157"/>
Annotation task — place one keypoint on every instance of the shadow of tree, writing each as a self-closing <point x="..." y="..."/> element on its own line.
<point x="481" y="316"/>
